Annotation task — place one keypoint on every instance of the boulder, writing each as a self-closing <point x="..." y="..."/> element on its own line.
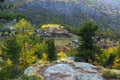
<point x="29" y="71"/>
<point x="67" y="72"/>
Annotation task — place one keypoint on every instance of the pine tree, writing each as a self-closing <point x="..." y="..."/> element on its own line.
<point x="10" y="54"/>
<point x="7" y="11"/>
<point x="2" y="0"/>
<point x="51" y="50"/>
<point x="87" y="49"/>
<point x="11" y="49"/>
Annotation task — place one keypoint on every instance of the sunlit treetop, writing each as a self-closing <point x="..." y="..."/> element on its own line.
<point x="56" y="26"/>
<point x="23" y="25"/>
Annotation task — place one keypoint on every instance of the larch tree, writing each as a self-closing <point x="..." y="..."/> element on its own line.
<point x="27" y="57"/>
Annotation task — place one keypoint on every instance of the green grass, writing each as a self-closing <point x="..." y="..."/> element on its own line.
<point x="111" y="74"/>
<point x="33" y="77"/>
<point x="62" y="42"/>
<point x="65" y="41"/>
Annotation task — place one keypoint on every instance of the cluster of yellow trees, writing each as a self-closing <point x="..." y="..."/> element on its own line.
<point x="60" y="55"/>
<point x="55" y="26"/>
<point x="113" y="56"/>
<point x="27" y="55"/>
<point x="109" y="58"/>
<point x="24" y="49"/>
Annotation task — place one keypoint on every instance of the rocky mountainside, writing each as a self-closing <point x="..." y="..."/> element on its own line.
<point x="106" y="13"/>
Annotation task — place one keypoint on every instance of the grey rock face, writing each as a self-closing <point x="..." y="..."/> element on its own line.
<point x="88" y="76"/>
<point x="54" y="77"/>
<point x="68" y="72"/>
<point x="61" y="68"/>
<point x="29" y="71"/>
<point x="68" y="6"/>
<point x="70" y="58"/>
<point x="85" y="66"/>
<point x="102" y="12"/>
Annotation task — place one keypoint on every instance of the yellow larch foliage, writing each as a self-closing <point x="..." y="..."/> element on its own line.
<point x="26" y="59"/>
<point x="111" y="50"/>
<point x="56" y="26"/>
<point x="6" y="33"/>
<point x="116" y="64"/>
<point x="0" y="51"/>
<point x="61" y="55"/>
<point x="23" y="25"/>
<point x="9" y="62"/>
<point x="45" y="57"/>
<point x="30" y="33"/>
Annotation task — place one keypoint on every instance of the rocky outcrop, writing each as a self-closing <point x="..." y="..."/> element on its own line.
<point x="76" y="71"/>
<point x="66" y="70"/>
<point x="86" y="66"/>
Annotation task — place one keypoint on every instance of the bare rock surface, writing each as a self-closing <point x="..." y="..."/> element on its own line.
<point x="85" y="66"/>
<point x="30" y="70"/>
<point x="66" y="71"/>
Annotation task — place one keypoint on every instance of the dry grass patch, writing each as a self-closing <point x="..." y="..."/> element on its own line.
<point x="111" y="74"/>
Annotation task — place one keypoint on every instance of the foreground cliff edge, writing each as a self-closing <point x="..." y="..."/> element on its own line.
<point x="67" y="70"/>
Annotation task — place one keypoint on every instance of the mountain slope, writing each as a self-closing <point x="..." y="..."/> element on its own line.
<point x="106" y="13"/>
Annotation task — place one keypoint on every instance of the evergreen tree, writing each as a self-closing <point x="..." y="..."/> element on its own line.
<point x="10" y="54"/>
<point x="2" y="0"/>
<point x="87" y="49"/>
<point x="51" y="50"/>
<point x="7" y="11"/>
<point x="11" y="49"/>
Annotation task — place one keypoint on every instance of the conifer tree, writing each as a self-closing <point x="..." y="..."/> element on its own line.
<point x="11" y="49"/>
<point x="87" y="49"/>
<point x="10" y="54"/>
<point x="51" y="50"/>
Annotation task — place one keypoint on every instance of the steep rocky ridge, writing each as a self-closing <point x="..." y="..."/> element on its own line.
<point x="106" y="13"/>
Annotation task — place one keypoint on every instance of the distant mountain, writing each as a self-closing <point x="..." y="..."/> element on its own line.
<point x="106" y="13"/>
